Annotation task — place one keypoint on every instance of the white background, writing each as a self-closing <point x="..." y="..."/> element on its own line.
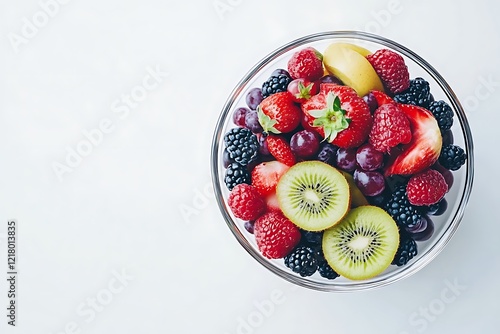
<point x="119" y="210"/>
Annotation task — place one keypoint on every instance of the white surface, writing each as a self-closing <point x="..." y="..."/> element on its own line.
<point x="120" y="208"/>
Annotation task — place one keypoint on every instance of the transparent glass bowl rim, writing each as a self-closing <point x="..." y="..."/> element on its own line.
<point x="330" y="286"/>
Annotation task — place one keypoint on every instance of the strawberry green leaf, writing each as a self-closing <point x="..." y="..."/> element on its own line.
<point x="267" y="122"/>
<point x="332" y="118"/>
<point x="304" y="91"/>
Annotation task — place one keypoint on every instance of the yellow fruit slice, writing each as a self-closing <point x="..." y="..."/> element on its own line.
<point x="351" y="68"/>
<point x="361" y="50"/>
<point x="357" y="197"/>
<point x="313" y="195"/>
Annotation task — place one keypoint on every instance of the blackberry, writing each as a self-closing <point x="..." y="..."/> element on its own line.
<point x="236" y="174"/>
<point x="443" y="114"/>
<point x="401" y="210"/>
<point x="406" y="251"/>
<point x="452" y="157"/>
<point x="417" y="94"/>
<point x="302" y="261"/>
<point x="242" y="145"/>
<point x="326" y="271"/>
<point x="275" y="84"/>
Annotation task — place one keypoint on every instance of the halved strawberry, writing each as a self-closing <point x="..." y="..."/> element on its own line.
<point x="424" y="147"/>
<point x="265" y="176"/>
<point x="280" y="149"/>
<point x="339" y="115"/>
<point x="278" y="113"/>
<point x="381" y="98"/>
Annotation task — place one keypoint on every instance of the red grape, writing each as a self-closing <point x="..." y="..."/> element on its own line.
<point x="368" y="158"/>
<point x="346" y="159"/>
<point x="239" y="116"/>
<point x="254" y="98"/>
<point x="304" y="144"/>
<point x="370" y="183"/>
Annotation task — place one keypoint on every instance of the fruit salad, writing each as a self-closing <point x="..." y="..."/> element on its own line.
<point x="339" y="162"/>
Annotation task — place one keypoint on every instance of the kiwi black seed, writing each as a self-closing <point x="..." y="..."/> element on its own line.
<point x="363" y="244"/>
<point x="313" y="195"/>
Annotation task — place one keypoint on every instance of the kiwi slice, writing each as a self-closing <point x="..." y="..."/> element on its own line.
<point x="313" y="195"/>
<point x="363" y="244"/>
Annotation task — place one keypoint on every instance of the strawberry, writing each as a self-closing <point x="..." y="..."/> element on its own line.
<point x="339" y="115"/>
<point x="381" y="98"/>
<point x="265" y="176"/>
<point x="424" y="147"/>
<point x="426" y="188"/>
<point x="391" y="69"/>
<point x="276" y="235"/>
<point x="280" y="149"/>
<point x="246" y="202"/>
<point x="390" y="128"/>
<point x="301" y="90"/>
<point x="272" y="202"/>
<point x="306" y="64"/>
<point x="278" y="113"/>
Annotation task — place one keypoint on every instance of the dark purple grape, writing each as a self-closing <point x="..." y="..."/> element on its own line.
<point x="328" y="153"/>
<point x="380" y="199"/>
<point x="254" y="98"/>
<point x="252" y="122"/>
<point x="447" y="137"/>
<point x="370" y="183"/>
<point x="346" y="159"/>
<point x="368" y="158"/>
<point x="226" y="160"/>
<point x="304" y="144"/>
<point x="331" y="79"/>
<point x="263" y="145"/>
<point x="425" y="234"/>
<point x="239" y="116"/>
<point x="280" y="71"/>
<point x="394" y="181"/>
<point x="249" y="227"/>
<point x="371" y="101"/>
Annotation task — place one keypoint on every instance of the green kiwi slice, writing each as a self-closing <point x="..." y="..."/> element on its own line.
<point x="313" y="195"/>
<point x="363" y="244"/>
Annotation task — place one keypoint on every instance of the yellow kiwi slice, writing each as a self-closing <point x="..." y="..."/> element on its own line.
<point x="313" y="195"/>
<point x="363" y="244"/>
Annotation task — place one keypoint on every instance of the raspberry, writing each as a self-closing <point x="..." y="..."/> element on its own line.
<point x="426" y="188"/>
<point x="276" y="235"/>
<point x="391" y="69"/>
<point x="246" y="203"/>
<point x="391" y="127"/>
<point x="306" y="64"/>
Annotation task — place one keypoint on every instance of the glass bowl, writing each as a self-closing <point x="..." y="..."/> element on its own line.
<point x="445" y="225"/>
